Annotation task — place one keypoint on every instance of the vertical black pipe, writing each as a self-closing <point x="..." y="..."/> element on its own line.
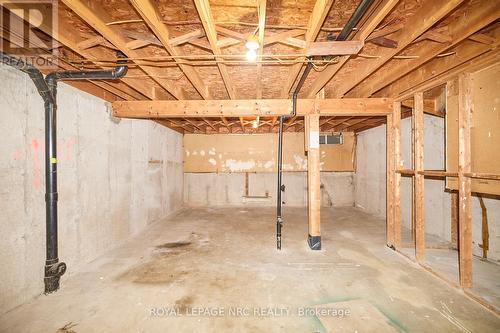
<point x="53" y="268"/>
<point x="281" y="187"/>
<point x="351" y="23"/>
<point x="47" y="88"/>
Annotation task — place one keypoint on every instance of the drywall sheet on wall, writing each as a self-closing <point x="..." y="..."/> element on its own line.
<point x="258" y="153"/>
<point x="485" y="130"/>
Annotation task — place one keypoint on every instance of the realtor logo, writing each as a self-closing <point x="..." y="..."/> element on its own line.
<point x="26" y="30"/>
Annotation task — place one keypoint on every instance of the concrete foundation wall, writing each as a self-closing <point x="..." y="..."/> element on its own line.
<point x="226" y="189"/>
<point x="115" y="177"/>
<point x="370" y="180"/>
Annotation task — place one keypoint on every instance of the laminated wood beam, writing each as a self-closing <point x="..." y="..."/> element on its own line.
<point x="251" y="108"/>
<point x="464" y="188"/>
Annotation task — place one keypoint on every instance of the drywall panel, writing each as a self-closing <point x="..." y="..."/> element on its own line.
<point x="485" y="131"/>
<point x="258" y="153"/>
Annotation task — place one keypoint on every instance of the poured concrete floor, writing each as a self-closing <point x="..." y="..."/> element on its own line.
<point x="217" y="270"/>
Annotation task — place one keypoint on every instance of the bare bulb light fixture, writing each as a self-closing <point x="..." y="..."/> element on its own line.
<point x="252" y="44"/>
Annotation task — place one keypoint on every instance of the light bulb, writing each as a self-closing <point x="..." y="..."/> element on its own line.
<point x="252" y="43"/>
<point x="251" y="55"/>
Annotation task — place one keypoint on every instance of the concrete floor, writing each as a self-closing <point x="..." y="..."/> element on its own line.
<point x="189" y="272"/>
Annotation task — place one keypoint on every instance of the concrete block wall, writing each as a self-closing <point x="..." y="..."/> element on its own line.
<point x="115" y="177"/>
<point x="228" y="189"/>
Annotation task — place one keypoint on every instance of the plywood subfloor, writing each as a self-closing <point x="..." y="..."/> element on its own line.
<point x="226" y="257"/>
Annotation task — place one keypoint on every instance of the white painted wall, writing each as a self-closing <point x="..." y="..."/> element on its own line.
<point x="227" y="189"/>
<point x="108" y="189"/>
<point x="370" y="183"/>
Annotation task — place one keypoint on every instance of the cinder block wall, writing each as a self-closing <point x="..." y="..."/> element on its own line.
<point x="115" y="178"/>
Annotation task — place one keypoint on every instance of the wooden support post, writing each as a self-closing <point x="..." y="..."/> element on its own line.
<point x="390" y="173"/>
<point x="454" y="219"/>
<point x="313" y="182"/>
<point x="396" y="119"/>
<point x="464" y="183"/>
<point x="418" y="183"/>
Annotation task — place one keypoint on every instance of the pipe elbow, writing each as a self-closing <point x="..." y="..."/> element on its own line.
<point x="119" y="72"/>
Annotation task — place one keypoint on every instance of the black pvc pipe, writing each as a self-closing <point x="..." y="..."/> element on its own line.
<point x="47" y="88"/>
<point x="53" y="268"/>
<point x="351" y="23"/>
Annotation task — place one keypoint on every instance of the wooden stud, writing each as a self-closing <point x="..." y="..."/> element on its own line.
<point x="454" y="219"/>
<point x="390" y="174"/>
<point x="418" y="179"/>
<point x="313" y="175"/>
<point x="464" y="166"/>
<point x="396" y="119"/>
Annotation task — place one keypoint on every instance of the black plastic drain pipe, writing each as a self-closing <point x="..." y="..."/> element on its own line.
<point x="47" y="88"/>
<point x="313" y="241"/>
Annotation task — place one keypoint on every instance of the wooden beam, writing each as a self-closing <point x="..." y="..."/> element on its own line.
<point x="466" y="55"/>
<point x="96" y="17"/>
<point x="313" y="181"/>
<point x="479" y="15"/>
<point x="418" y="183"/>
<point x="251" y="108"/>
<point x="427" y="15"/>
<point x="261" y="8"/>
<point x="203" y="8"/>
<point x="387" y="30"/>
<point x="328" y="73"/>
<point x="185" y="38"/>
<point x="396" y="124"/>
<point x="64" y="36"/>
<point x="282" y="36"/>
<point x="430" y="107"/>
<point x="334" y="48"/>
<point x="319" y="13"/>
<point x="154" y="21"/>
<point x="464" y="190"/>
